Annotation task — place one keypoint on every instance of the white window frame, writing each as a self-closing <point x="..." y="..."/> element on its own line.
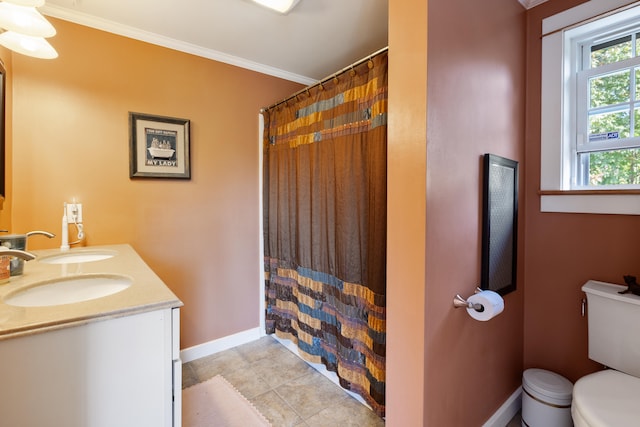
<point x="561" y="32"/>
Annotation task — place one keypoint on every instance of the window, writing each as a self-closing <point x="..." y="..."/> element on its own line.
<point x="591" y="109"/>
<point x="607" y="149"/>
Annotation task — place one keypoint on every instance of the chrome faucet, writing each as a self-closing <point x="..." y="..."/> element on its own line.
<point x="44" y="233"/>
<point x="27" y="256"/>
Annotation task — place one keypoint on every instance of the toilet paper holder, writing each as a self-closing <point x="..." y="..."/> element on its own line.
<point x="459" y="302"/>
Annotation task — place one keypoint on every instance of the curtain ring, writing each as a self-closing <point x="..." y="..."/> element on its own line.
<point x="370" y="63"/>
<point x="335" y="80"/>
<point x="308" y="93"/>
<point x="321" y="86"/>
<point x="352" y="73"/>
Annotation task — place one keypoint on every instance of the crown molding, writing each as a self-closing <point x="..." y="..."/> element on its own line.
<point x="528" y="4"/>
<point x="159" y="40"/>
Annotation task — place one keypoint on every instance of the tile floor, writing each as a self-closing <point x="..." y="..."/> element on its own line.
<point x="282" y="386"/>
<point x="516" y="421"/>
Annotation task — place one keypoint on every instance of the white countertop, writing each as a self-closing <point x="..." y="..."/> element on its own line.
<point x="147" y="292"/>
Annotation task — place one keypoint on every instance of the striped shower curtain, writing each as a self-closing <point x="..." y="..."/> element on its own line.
<point x="325" y="225"/>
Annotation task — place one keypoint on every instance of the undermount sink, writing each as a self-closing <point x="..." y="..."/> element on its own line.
<point x="69" y="289"/>
<point x="75" y="257"/>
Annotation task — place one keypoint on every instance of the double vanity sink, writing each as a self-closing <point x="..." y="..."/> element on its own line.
<point x="89" y="337"/>
<point x="70" y="289"/>
<point x="59" y="288"/>
<point x="78" y="256"/>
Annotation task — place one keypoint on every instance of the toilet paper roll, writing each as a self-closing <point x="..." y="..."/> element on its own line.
<point x="492" y="304"/>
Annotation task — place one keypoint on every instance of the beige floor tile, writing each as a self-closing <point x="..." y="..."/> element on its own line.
<point x="265" y="347"/>
<point x="218" y="364"/>
<point x="276" y="410"/>
<point x="281" y="369"/>
<point x="189" y="377"/>
<point x="516" y="421"/>
<point x="350" y="413"/>
<point x="247" y="382"/>
<point x="310" y="394"/>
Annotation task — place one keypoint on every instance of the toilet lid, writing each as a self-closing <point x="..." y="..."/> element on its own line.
<point x="607" y="398"/>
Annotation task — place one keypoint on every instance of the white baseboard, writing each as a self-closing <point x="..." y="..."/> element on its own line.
<point x="224" y="343"/>
<point x="507" y="411"/>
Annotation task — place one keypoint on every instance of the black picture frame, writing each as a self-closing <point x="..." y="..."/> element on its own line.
<point x="499" y="224"/>
<point x="159" y="147"/>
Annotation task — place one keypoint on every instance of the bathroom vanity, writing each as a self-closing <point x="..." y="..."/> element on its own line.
<point x="106" y="360"/>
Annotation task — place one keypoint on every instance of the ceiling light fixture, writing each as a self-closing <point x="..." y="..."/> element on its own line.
<point x="30" y="3"/>
<point x="281" y="6"/>
<point x="23" y="29"/>
<point x="24" y="20"/>
<point x="37" y="47"/>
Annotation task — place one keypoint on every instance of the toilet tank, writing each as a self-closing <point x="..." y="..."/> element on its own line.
<point x="613" y="321"/>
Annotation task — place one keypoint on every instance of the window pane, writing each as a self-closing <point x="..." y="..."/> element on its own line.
<point x="611" y="51"/>
<point x="604" y="123"/>
<point x="610" y="89"/>
<point x="636" y="121"/>
<point x="617" y="167"/>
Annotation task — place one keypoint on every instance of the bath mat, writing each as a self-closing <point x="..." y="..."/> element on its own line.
<point x="217" y="403"/>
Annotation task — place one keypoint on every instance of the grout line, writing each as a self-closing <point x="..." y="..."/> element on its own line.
<point x="289" y="405"/>
<point x="271" y="352"/>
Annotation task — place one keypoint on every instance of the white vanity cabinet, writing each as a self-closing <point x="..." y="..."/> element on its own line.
<point x="118" y="371"/>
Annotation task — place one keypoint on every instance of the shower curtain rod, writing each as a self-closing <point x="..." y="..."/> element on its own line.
<point x="326" y="79"/>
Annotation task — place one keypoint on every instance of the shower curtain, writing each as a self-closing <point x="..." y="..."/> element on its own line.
<point x="325" y="225"/>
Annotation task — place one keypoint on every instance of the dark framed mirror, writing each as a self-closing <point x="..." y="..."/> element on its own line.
<point x="499" y="224"/>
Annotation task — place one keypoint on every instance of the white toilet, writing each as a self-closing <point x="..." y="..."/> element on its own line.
<point x="610" y="398"/>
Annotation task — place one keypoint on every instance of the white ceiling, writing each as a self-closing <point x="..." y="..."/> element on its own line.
<point x="316" y="39"/>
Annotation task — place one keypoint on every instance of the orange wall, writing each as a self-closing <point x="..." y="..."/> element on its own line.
<point x="564" y="250"/>
<point x="456" y="91"/>
<point x="406" y="207"/>
<point x="70" y="140"/>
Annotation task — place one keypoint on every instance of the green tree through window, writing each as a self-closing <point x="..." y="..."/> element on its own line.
<point x="613" y="114"/>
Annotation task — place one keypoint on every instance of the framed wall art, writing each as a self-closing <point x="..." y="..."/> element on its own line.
<point x="500" y="224"/>
<point x="159" y="147"/>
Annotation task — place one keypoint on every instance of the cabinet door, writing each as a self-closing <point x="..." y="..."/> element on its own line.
<point x="177" y="368"/>
<point x="115" y="372"/>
